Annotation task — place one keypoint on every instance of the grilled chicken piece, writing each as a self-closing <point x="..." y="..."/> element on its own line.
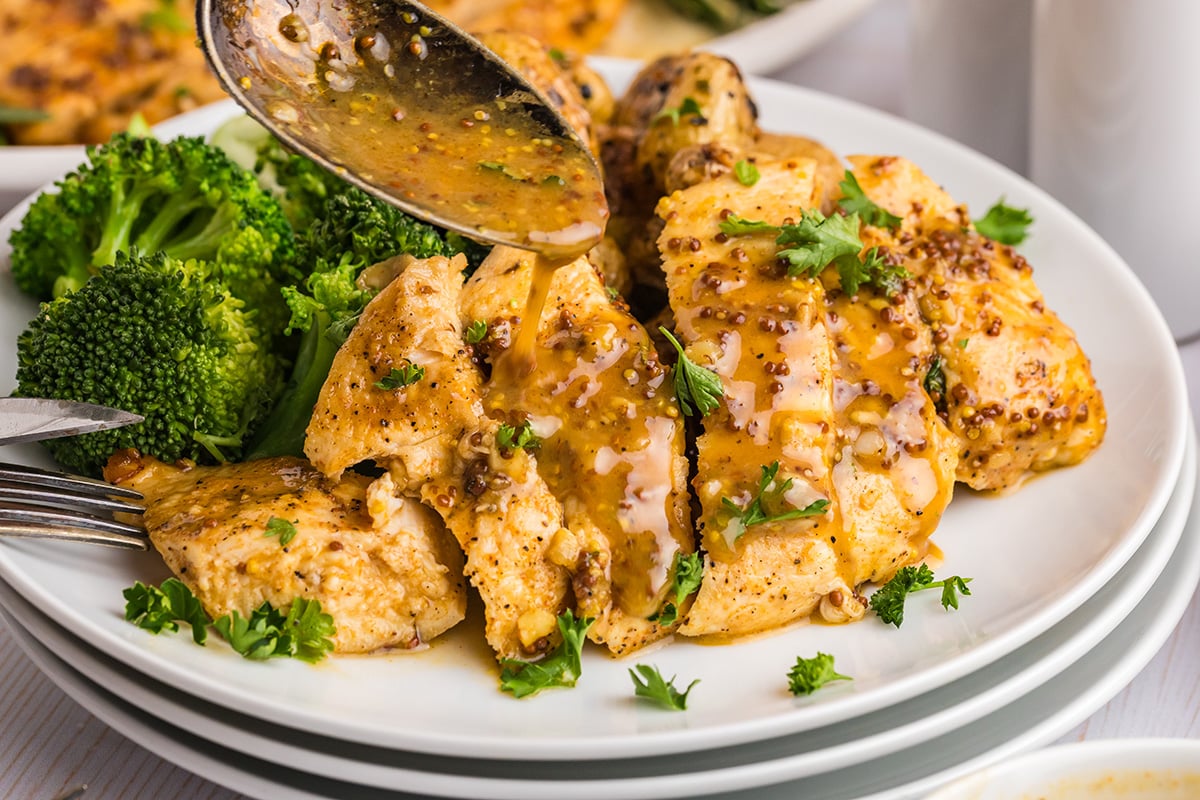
<point x="417" y="426"/>
<point x="679" y="101"/>
<point x="830" y="170"/>
<point x="797" y="394"/>
<point x="435" y="440"/>
<point x="676" y="103"/>
<point x="383" y="567"/>
<point x="1018" y="389"/>
<point x="612" y="437"/>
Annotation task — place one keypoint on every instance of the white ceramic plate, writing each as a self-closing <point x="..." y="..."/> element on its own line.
<point x="1035" y="556"/>
<point x="1029" y="722"/>
<point x="648" y="30"/>
<point x="681" y="775"/>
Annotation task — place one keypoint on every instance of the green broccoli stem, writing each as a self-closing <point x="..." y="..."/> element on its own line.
<point x="123" y="211"/>
<point x="206" y="241"/>
<point x="165" y="223"/>
<point x="282" y="433"/>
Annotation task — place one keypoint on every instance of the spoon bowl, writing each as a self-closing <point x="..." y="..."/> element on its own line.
<point x="405" y="105"/>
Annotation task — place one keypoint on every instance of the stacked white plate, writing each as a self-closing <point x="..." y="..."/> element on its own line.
<point x="1078" y="579"/>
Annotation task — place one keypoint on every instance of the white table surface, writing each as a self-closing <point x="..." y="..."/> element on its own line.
<point x="49" y="745"/>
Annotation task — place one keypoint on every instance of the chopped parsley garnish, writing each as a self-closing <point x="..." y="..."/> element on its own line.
<point x="476" y="332"/>
<point x="688" y="106"/>
<point x="1005" y="224"/>
<point x="162" y="608"/>
<point x="855" y="201"/>
<point x="520" y="437"/>
<point x="817" y="241"/>
<point x="649" y="683"/>
<point x="810" y="674"/>
<point x="696" y="387"/>
<point x="733" y="225"/>
<point x="405" y="375"/>
<point x="304" y="632"/>
<point x="935" y="379"/>
<point x="557" y="55"/>
<point x="560" y="668"/>
<point x="689" y="571"/>
<point x="286" y="531"/>
<point x="761" y="507"/>
<point x="888" y="601"/>
<point x="505" y="170"/>
<point x="962" y="343"/>
<point x="746" y="173"/>
<point x="873" y="270"/>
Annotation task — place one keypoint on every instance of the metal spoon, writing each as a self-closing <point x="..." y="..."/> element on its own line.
<point x="405" y="105"/>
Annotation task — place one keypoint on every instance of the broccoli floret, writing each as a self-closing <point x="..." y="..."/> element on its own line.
<point x="184" y="197"/>
<point x="300" y="184"/>
<point x="160" y="337"/>
<point x="352" y="231"/>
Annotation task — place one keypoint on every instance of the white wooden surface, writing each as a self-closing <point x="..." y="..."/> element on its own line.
<point x="50" y="746"/>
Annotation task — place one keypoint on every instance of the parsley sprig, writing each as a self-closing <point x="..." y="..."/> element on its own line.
<point x="746" y="173"/>
<point x="810" y="674"/>
<point x="855" y="201"/>
<point x="162" y="608"/>
<point x="520" y="437"/>
<point x="1004" y="223"/>
<point x="696" y="387"/>
<point x="560" y="668"/>
<point x="689" y="572"/>
<point x="649" y="683"/>
<point x="406" y="374"/>
<point x="816" y="241"/>
<point x="770" y="495"/>
<point x="476" y="332"/>
<point x="304" y="632"/>
<point x="872" y="270"/>
<point x="888" y="601"/>
<point x="285" y="530"/>
<point x="688" y="106"/>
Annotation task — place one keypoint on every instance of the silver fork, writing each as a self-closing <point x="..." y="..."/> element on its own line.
<point x="54" y="505"/>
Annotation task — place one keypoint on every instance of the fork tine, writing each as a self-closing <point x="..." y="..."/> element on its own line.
<point x="38" y="515"/>
<point x="59" y="480"/>
<point x="111" y="539"/>
<point x="27" y="493"/>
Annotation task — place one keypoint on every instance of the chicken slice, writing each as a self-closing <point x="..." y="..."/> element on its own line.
<point x="611" y="438"/>
<point x="413" y="324"/>
<point x="895" y="459"/>
<point x="827" y="386"/>
<point x="765" y="336"/>
<point x="383" y="567"/>
<point x="1018" y="389"/>
<point x="435" y="441"/>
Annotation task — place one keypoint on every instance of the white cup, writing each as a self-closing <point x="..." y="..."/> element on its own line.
<point x="968" y="73"/>
<point x="1115" y="135"/>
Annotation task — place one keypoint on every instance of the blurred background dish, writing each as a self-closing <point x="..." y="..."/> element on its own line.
<point x="760" y="35"/>
<point x="1115" y="769"/>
